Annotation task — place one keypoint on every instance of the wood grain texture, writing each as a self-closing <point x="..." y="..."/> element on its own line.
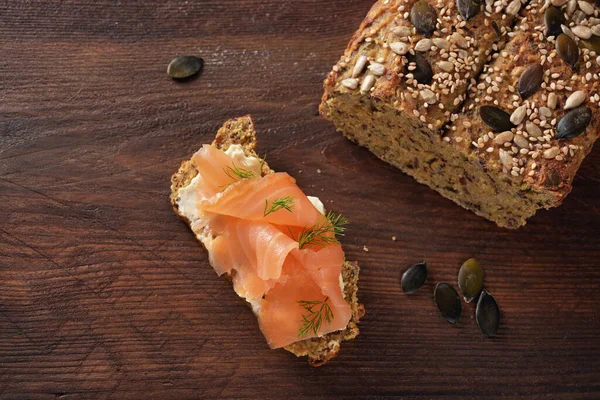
<point x="104" y="292"/>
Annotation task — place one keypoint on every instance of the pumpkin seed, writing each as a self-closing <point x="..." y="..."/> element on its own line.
<point x="470" y="279"/>
<point x="496" y="118"/>
<point x="573" y="123"/>
<point x="414" y="277"/>
<point x="496" y="29"/>
<point x="448" y="302"/>
<point x="530" y="80"/>
<point x="424" y="17"/>
<point x="487" y="314"/>
<point x="184" y="67"/>
<point x="468" y="8"/>
<point x="423" y="72"/>
<point x="567" y="49"/>
<point x="553" y="18"/>
<point x="592" y="44"/>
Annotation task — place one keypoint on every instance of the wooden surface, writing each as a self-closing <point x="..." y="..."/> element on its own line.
<point x="104" y="292"/>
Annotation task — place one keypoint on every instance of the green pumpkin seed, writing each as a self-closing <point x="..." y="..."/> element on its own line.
<point x="448" y="302"/>
<point x="424" y="17"/>
<point x="573" y="123"/>
<point x="554" y="18"/>
<point x="531" y="80"/>
<point x="496" y="118"/>
<point x="567" y="50"/>
<point x="470" y="279"/>
<point x="423" y="72"/>
<point x="184" y="67"/>
<point x="468" y="8"/>
<point x="487" y="314"/>
<point x="496" y="29"/>
<point x="592" y="44"/>
<point x="414" y="277"/>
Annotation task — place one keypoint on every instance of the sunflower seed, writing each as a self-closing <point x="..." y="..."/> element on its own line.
<point x="573" y="123"/>
<point x="402" y="31"/>
<point x="571" y="7"/>
<point x="598" y="60"/>
<point x="367" y="83"/>
<point x="459" y="40"/>
<point x="520" y="141"/>
<point x="399" y="48"/>
<point x="422" y="72"/>
<point x="428" y="96"/>
<point x="505" y="158"/>
<point x="496" y="118"/>
<point x="413" y="278"/>
<point x="567" y="50"/>
<point x="468" y="8"/>
<point x="530" y="80"/>
<point x="446" y="66"/>
<point x="350" y="83"/>
<point x="423" y="45"/>
<point x="504" y="137"/>
<point x="552" y="100"/>
<point x="559" y="3"/>
<point x="448" y="302"/>
<point x="596" y="30"/>
<point x="517" y="116"/>
<point x="551" y="152"/>
<point x="184" y="67"/>
<point x="359" y="67"/>
<point x="586" y="7"/>
<point x="424" y="17"/>
<point x="513" y="7"/>
<point x="441" y="43"/>
<point x="578" y="16"/>
<point x="487" y="314"/>
<point x="575" y="99"/>
<point x="553" y="18"/>
<point x="582" y="32"/>
<point x="377" y="69"/>
<point x="470" y="279"/>
<point x="533" y="130"/>
<point x="545" y="112"/>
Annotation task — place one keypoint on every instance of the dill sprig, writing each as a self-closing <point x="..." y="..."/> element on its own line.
<point x="313" y="320"/>
<point x="237" y="173"/>
<point x="324" y="232"/>
<point x="280" y="203"/>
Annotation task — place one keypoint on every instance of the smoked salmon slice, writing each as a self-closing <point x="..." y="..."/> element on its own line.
<point x="278" y="249"/>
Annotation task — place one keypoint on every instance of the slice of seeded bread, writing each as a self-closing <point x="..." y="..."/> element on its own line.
<point x="318" y="350"/>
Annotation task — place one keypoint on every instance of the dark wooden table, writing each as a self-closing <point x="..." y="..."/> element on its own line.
<point x="104" y="292"/>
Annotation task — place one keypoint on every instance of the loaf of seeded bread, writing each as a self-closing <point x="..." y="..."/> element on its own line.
<point x="420" y="110"/>
<point x="320" y="349"/>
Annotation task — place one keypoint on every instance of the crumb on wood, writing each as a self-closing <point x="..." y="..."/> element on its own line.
<point x="318" y="171"/>
<point x="365" y="249"/>
<point x="394" y="238"/>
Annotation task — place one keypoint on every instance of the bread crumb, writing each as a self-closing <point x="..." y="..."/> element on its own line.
<point x="366" y="249"/>
<point x="394" y="238"/>
<point x="318" y="171"/>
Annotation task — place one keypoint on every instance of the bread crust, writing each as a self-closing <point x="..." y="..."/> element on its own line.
<point x="319" y="350"/>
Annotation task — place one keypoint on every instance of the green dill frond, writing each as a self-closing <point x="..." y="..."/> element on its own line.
<point x="313" y="320"/>
<point x="324" y="232"/>
<point x="280" y="203"/>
